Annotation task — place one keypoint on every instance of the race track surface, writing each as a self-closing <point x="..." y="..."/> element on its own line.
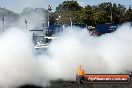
<point x="73" y="84"/>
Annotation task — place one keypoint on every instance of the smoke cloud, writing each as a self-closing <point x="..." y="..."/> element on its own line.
<point x="19" y="63"/>
<point x="19" y="5"/>
<point x="33" y="17"/>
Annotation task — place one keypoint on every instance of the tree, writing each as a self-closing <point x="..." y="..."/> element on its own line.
<point x="84" y="15"/>
<point x="118" y="13"/>
<point x="102" y="13"/>
<point x="69" y="6"/>
<point x="52" y="18"/>
<point x="99" y="17"/>
<point x="128" y="15"/>
<point x="66" y="11"/>
<point x="114" y="12"/>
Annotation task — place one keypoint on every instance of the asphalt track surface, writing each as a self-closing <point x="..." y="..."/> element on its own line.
<point x="73" y="84"/>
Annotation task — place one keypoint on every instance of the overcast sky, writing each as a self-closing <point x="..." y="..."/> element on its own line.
<point x="18" y="5"/>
